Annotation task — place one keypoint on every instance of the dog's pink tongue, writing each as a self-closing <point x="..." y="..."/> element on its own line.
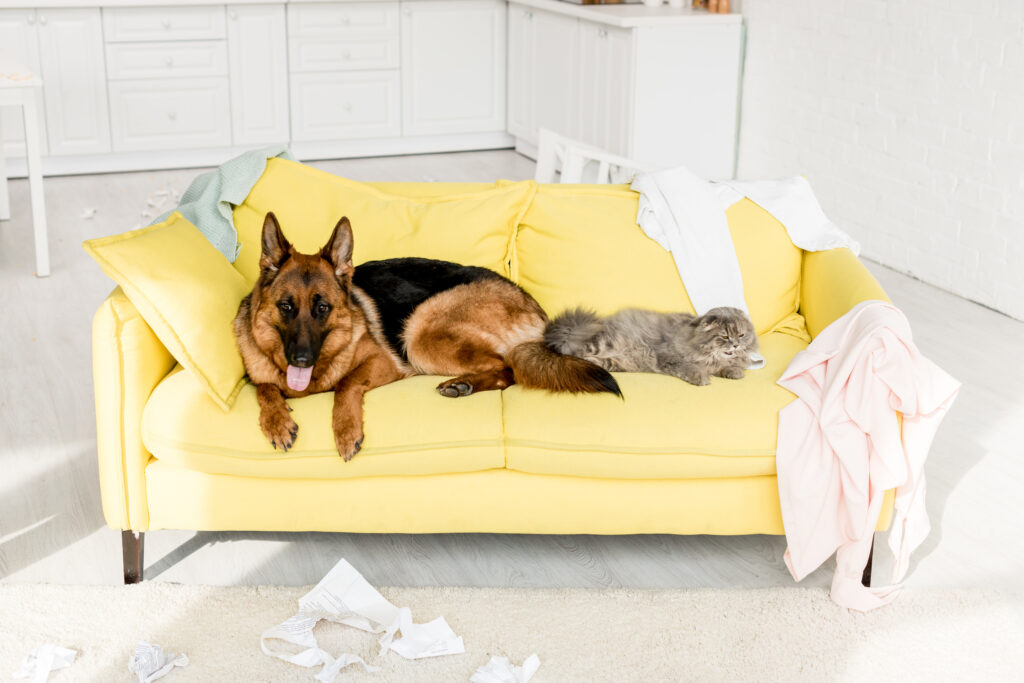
<point x="298" y="378"/>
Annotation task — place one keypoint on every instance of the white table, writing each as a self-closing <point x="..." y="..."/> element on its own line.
<point x="18" y="88"/>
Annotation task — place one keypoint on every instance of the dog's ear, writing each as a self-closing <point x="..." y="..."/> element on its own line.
<point x="338" y="250"/>
<point x="275" y="248"/>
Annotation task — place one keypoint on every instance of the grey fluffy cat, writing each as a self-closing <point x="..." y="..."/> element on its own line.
<point x="691" y="348"/>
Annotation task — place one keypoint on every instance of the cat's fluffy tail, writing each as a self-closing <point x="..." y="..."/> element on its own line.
<point x="571" y="331"/>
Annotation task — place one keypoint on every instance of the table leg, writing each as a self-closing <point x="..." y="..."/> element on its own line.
<point x="35" y="183"/>
<point x="5" y="198"/>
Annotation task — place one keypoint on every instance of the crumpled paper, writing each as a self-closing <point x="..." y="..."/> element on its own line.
<point x="343" y="596"/>
<point x="150" y="662"/>
<point x="38" y="664"/>
<point x="501" y="670"/>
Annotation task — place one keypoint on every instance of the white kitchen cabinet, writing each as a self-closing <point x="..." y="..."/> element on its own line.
<point x="153" y="114"/>
<point x="345" y="105"/>
<point x="521" y="72"/>
<point x="167" y="59"/>
<point x="539" y="43"/>
<point x="453" y="66"/>
<point x="258" y="51"/>
<point x="74" y="80"/>
<point x="604" y="87"/>
<point x="141" y="24"/>
<point x="658" y="85"/>
<point x="19" y="40"/>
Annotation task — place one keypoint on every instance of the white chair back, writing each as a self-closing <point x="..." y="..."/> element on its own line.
<point x="571" y="161"/>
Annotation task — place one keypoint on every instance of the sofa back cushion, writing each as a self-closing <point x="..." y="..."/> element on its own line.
<point x="463" y="222"/>
<point x="579" y="245"/>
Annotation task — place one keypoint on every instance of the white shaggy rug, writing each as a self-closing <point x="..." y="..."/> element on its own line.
<point x="580" y="635"/>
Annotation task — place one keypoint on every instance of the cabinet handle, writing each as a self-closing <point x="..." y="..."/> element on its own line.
<point x="42" y="21"/>
<point x="31" y="19"/>
<point x="233" y="16"/>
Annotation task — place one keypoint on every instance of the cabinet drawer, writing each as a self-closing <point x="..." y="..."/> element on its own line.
<point x="343" y="19"/>
<point x="325" y="54"/>
<point x="162" y="60"/>
<point x="170" y="114"/>
<point x="330" y="106"/>
<point x="138" y="24"/>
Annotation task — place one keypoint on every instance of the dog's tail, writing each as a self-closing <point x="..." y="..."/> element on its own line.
<point x="538" y="366"/>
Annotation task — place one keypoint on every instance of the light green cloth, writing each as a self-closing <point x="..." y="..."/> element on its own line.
<point x="209" y="201"/>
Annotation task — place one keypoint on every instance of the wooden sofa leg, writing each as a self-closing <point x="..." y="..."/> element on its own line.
<point x="865" y="579"/>
<point x="131" y="553"/>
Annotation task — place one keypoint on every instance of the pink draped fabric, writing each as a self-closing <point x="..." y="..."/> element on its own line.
<point x="840" y="447"/>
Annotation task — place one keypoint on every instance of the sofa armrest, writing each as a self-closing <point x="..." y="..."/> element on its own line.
<point x="128" y="361"/>
<point x="831" y="283"/>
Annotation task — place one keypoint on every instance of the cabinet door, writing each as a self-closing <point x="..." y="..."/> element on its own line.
<point x="258" y="56"/>
<point x="555" y="41"/>
<point x="521" y="73"/>
<point x="605" y="87"/>
<point x="345" y="105"/>
<point x="170" y="113"/>
<point x="19" y="40"/>
<point x="453" y="66"/>
<point x="74" y="80"/>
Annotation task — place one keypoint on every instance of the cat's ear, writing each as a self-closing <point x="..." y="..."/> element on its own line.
<point x="708" y="321"/>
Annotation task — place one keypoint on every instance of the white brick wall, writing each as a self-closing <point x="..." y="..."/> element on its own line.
<point x="907" y="116"/>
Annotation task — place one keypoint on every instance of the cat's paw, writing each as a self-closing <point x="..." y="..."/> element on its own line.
<point x="731" y="373"/>
<point x="696" y="377"/>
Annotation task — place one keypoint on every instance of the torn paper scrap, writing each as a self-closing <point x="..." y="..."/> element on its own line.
<point x="38" y="664"/>
<point x="501" y="670"/>
<point x="421" y="640"/>
<point x="343" y="596"/>
<point x="150" y="662"/>
<point x="88" y="213"/>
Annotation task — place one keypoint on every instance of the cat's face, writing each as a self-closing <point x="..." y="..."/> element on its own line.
<point x="726" y="334"/>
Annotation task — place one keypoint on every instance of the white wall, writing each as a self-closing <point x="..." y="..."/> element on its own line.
<point x="907" y="116"/>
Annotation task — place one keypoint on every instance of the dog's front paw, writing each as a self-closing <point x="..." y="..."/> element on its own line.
<point x="732" y="373"/>
<point x="279" y="427"/>
<point x="349" y="441"/>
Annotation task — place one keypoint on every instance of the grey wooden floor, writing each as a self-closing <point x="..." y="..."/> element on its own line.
<point x="51" y="528"/>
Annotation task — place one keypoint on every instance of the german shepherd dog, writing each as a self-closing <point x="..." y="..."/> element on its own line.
<point x="313" y="323"/>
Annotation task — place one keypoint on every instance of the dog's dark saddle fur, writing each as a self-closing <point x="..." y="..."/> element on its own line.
<point x="399" y="285"/>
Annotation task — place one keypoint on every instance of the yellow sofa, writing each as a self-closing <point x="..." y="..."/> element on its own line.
<point x="668" y="458"/>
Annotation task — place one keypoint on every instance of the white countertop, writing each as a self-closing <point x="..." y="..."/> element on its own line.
<point x="627" y="16"/>
<point x="51" y="4"/>
<point x="624" y="16"/>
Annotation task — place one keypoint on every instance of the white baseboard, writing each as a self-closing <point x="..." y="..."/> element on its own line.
<point x="305" y="151"/>
<point x="527" y="149"/>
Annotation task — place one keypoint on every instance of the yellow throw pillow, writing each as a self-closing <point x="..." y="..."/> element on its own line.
<point x="579" y="245"/>
<point x="474" y="225"/>
<point x="187" y="292"/>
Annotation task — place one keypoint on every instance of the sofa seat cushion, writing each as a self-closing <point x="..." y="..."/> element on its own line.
<point x="410" y="430"/>
<point x="663" y="429"/>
